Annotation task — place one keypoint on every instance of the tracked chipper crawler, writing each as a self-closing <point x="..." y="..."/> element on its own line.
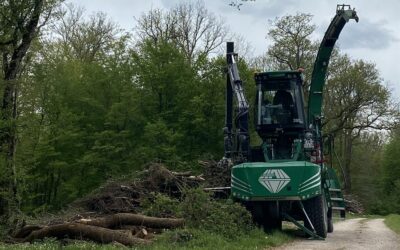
<point x="285" y="178"/>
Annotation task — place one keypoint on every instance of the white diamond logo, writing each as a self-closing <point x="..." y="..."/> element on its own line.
<point x="274" y="180"/>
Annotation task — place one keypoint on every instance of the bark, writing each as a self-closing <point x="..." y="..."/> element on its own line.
<point x="117" y="220"/>
<point x="81" y="231"/>
<point x="348" y="145"/>
<point x="26" y="230"/>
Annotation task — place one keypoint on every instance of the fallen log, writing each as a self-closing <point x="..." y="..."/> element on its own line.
<point x="26" y="230"/>
<point x="142" y="233"/>
<point x="117" y="220"/>
<point x="81" y="231"/>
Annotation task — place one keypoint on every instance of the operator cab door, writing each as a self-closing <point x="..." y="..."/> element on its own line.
<point x="279" y="102"/>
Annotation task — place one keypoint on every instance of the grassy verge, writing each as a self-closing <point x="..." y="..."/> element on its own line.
<point x="181" y="239"/>
<point x="393" y="222"/>
<point x="256" y="239"/>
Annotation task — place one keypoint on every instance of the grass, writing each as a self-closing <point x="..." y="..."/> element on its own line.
<point x="255" y="239"/>
<point x="180" y="239"/>
<point x="393" y="222"/>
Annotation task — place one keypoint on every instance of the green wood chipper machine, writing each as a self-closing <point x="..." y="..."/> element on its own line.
<point x="287" y="176"/>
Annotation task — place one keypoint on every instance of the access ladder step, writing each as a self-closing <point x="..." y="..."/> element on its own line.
<point x="335" y="190"/>
<point x="338" y="208"/>
<point x="337" y="199"/>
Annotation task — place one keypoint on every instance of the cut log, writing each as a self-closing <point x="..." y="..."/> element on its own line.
<point x="142" y="233"/>
<point x="26" y="230"/>
<point x="81" y="231"/>
<point x="117" y="220"/>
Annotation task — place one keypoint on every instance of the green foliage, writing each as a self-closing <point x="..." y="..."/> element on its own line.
<point x="161" y="206"/>
<point x="367" y="170"/>
<point x="389" y="197"/>
<point x="196" y="206"/>
<point x="84" y="121"/>
<point x="292" y="47"/>
<point x="225" y="217"/>
<point x="393" y="222"/>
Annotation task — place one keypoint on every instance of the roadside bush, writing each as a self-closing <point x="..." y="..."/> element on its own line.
<point x="161" y="206"/>
<point x="224" y="217"/>
<point x="201" y="212"/>
<point x="196" y="207"/>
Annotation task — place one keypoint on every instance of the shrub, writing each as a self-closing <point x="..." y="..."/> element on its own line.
<point x="223" y="217"/>
<point x="201" y="212"/>
<point x="161" y="206"/>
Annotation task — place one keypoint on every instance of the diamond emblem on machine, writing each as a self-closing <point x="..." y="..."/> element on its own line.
<point x="274" y="180"/>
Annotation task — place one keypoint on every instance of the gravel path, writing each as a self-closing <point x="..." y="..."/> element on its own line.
<point x="354" y="234"/>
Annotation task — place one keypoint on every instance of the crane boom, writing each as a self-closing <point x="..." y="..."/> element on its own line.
<point x="343" y="14"/>
<point x="240" y="148"/>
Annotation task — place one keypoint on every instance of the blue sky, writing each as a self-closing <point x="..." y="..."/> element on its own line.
<point x="376" y="38"/>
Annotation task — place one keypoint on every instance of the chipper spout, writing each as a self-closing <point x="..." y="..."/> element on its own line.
<point x="349" y="13"/>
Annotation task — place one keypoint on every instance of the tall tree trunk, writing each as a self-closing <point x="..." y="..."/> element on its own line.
<point x="12" y="58"/>
<point x="57" y="185"/>
<point x="348" y="144"/>
<point x="9" y="141"/>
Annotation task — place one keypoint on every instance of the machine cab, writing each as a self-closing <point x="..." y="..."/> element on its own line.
<point x="279" y="103"/>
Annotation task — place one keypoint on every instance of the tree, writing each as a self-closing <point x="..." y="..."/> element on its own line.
<point x="195" y="30"/>
<point x="22" y="21"/>
<point x="391" y="176"/>
<point x="292" y="47"/>
<point x="355" y="101"/>
<point x="84" y="39"/>
<point x="367" y="168"/>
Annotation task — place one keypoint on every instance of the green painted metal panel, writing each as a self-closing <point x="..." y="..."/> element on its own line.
<point x="290" y="180"/>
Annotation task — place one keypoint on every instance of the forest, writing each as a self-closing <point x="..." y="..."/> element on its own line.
<point x="84" y="101"/>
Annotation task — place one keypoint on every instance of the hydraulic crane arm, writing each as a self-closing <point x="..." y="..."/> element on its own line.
<point x="343" y="14"/>
<point x="236" y="83"/>
<point x="238" y="146"/>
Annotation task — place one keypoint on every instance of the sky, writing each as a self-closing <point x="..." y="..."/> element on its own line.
<point x="376" y="38"/>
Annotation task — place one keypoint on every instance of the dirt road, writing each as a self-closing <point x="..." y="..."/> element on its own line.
<point x="354" y="234"/>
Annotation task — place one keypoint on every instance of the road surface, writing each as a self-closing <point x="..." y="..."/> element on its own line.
<point x="352" y="234"/>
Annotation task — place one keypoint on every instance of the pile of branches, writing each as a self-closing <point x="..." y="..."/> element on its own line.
<point x="353" y="204"/>
<point x="128" y="196"/>
<point x="113" y="213"/>
<point x="217" y="173"/>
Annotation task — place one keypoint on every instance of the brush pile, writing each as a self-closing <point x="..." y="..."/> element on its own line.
<point x="353" y="204"/>
<point x="113" y="213"/>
